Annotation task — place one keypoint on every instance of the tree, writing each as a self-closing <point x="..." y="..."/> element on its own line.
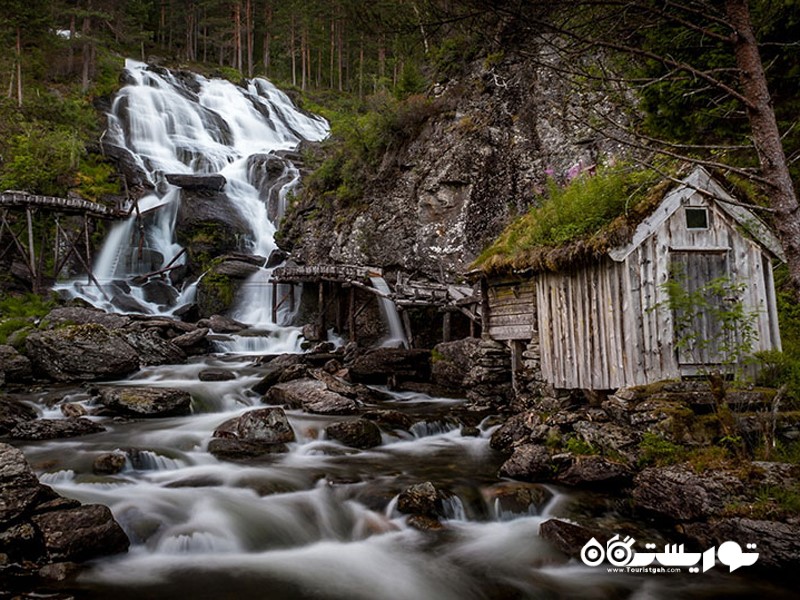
<point x="639" y="45"/>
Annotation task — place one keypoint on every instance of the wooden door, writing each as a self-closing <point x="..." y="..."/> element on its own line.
<point x="698" y="331"/>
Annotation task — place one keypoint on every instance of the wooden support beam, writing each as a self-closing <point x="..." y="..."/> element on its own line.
<point x="351" y="314"/>
<point x="485" y="316"/>
<point x="369" y="289"/>
<point x="339" y="309"/>
<point x="56" y="244"/>
<point x="85" y="266"/>
<point x="20" y="248"/>
<point x="322" y="324"/>
<point x="275" y="302"/>
<point x="291" y="297"/>
<point x="447" y="326"/>
<point x="407" y="327"/>
<point x="170" y="266"/>
<point x="87" y="245"/>
<point x="31" y="249"/>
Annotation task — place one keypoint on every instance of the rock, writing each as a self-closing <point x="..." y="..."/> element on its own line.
<point x="202" y="184"/>
<point x="110" y="463"/>
<point x="220" y="324"/>
<point x="12" y="413"/>
<point x="152" y="349"/>
<point x="237" y="269"/>
<point x="517" y="498"/>
<point x="777" y="543"/>
<point x="389" y="419"/>
<point x="187" y="341"/>
<point x="522" y="428"/>
<point x="80" y="533"/>
<point x="568" y="537"/>
<point x="379" y="364"/>
<point x="529" y="462"/>
<point x="216" y="375"/>
<point x="311" y="333"/>
<point x="424" y="523"/>
<point x="681" y="494"/>
<point x="77" y="315"/>
<point x="158" y="291"/>
<point x="14" y="365"/>
<point x="420" y="499"/>
<point x="49" y="429"/>
<point x="146" y="401"/>
<point x="19" y="488"/>
<point x="451" y="361"/>
<point x="594" y="471"/>
<point x="609" y="436"/>
<point x="276" y="257"/>
<point x="81" y="353"/>
<point x="267" y="425"/>
<point x="312" y="396"/>
<point x="360" y="433"/>
<point x="60" y="571"/>
<point x="73" y="410"/>
<point x="274" y="369"/>
<point x="234" y="449"/>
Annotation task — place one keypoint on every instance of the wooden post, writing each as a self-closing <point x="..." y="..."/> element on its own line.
<point x="446" y="326"/>
<point x="472" y="327"/>
<point x="31" y="250"/>
<point x="274" y="302"/>
<point x="407" y="328"/>
<point x="87" y="245"/>
<point x="351" y="315"/>
<point x="85" y="266"/>
<point x="56" y="269"/>
<point x="322" y="324"/>
<point x="484" y="308"/>
<point x="338" y="307"/>
<point x="291" y="297"/>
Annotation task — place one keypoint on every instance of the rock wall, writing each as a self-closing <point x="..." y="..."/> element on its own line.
<point x="439" y="199"/>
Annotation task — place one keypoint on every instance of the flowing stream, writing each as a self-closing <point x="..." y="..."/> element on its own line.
<point x="319" y="521"/>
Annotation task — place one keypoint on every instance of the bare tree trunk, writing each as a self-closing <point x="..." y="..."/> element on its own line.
<point x="766" y="136"/>
<point x="340" y="44"/>
<point x="292" y="51"/>
<point x="237" y="35"/>
<point x="19" y="66"/>
<point x="267" y="37"/>
<point x="87" y="50"/>
<point x="248" y="20"/>
<point x="333" y="50"/>
<point x="303" y="56"/>
<point x="71" y="56"/>
<point x="361" y="67"/>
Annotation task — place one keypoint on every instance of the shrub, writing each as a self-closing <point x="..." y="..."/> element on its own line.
<point x="655" y="450"/>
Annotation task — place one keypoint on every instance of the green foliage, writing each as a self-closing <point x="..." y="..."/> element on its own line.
<point x="720" y="301"/>
<point x="579" y="446"/>
<point x="96" y="179"/>
<point x="775" y="500"/>
<point x="573" y="212"/>
<point x="20" y="312"/>
<point x="655" y="450"/>
<point x="451" y="57"/>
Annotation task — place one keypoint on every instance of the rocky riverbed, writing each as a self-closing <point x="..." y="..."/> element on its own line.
<point x="328" y="473"/>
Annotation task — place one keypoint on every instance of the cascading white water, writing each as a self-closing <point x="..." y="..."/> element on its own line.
<point x="193" y="125"/>
<point x="396" y="333"/>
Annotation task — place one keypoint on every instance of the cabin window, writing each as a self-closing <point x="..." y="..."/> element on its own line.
<point x="696" y="218"/>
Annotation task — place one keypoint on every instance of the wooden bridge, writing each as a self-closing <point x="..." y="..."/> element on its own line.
<point x="338" y="288"/>
<point x="18" y="234"/>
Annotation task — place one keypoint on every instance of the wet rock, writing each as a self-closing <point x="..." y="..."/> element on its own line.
<point x="12" y="413"/>
<point x="609" y="436"/>
<point x="517" y="498"/>
<point x="50" y="429"/>
<point x="332" y="366"/>
<point x="220" y="324"/>
<point x="110" y="463"/>
<point x="153" y="350"/>
<point x="594" y="471"/>
<point x="529" y="462"/>
<point x="311" y="396"/>
<point x="73" y="410"/>
<point x="274" y="369"/>
<point x="19" y="487"/>
<point x="233" y="449"/>
<point x="14" y="365"/>
<point x="60" y="571"/>
<point x="359" y="433"/>
<point x="379" y="364"/>
<point x="187" y="312"/>
<point x="216" y="375"/>
<point x="389" y="419"/>
<point x="569" y="538"/>
<point x="420" y="499"/>
<point x="158" y="291"/>
<point x="78" y="315"/>
<point x="778" y="543"/>
<point x="424" y="523"/>
<point x="293" y="372"/>
<point x="470" y="431"/>
<point x="202" y="184"/>
<point x="191" y="340"/>
<point x="452" y="361"/>
<point x="237" y="269"/>
<point x="312" y="333"/>
<point x="81" y="353"/>
<point x="146" y="401"/>
<point x="80" y="533"/>
<point x="522" y="428"/>
<point x="267" y="425"/>
<point x="276" y="257"/>
<point x="681" y="494"/>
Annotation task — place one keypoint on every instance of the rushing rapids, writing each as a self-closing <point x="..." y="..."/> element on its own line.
<point x="320" y="520"/>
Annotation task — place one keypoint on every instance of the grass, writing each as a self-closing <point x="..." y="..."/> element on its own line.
<point x="655" y="450"/>
<point x="596" y="209"/>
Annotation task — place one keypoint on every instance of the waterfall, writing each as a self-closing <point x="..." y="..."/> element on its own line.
<point x="188" y="124"/>
<point x="389" y="311"/>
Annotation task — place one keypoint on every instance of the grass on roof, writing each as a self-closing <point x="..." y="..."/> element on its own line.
<point x="587" y="217"/>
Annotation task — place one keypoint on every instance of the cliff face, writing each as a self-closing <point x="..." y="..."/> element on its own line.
<point x="439" y="199"/>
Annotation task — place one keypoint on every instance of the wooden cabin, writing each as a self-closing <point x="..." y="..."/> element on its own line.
<point x="606" y="323"/>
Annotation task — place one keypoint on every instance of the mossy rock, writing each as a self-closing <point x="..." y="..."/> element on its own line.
<point x="215" y="294"/>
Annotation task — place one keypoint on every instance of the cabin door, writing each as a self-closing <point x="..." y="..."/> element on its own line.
<point x="698" y="331"/>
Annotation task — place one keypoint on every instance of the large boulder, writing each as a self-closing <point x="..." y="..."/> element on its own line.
<point x="529" y="462"/>
<point x="379" y="365"/>
<point x="523" y="428"/>
<point x="81" y="353"/>
<point x="451" y="361"/>
<point x="14" y="365"/>
<point x="49" y="429"/>
<point x="13" y="413"/>
<point x="253" y="434"/>
<point x="311" y="396"/>
<point x="202" y="184"/>
<point x="153" y="349"/>
<point x="359" y="433"/>
<point x="594" y="471"/>
<point x="38" y="527"/>
<point x="420" y="499"/>
<point x="146" y="401"/>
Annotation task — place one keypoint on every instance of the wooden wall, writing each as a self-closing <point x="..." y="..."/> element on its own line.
<point x="512" y="312"/>
<point x="607" y="325"/>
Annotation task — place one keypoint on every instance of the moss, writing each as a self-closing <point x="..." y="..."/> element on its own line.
<point x="215" y="294"/>
<point x="770" y="502"/>
<point x="656" y="450"/>
<point x="579" y="446"/>
<point x="709" y="457"/>
<point x="583" y="220"/>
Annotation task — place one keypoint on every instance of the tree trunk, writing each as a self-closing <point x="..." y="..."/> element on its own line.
<point x="248" y="24"/>
<point x="303" y="55"/>
<point x="333" y="51"/>
<point x="19" y="66"/>
<point x="237" y="35"/>
<point x="292" y="51"/>
<point x="267" y="37"/>
<point x="87" y="50"/>
<point x="766" y="136"/>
